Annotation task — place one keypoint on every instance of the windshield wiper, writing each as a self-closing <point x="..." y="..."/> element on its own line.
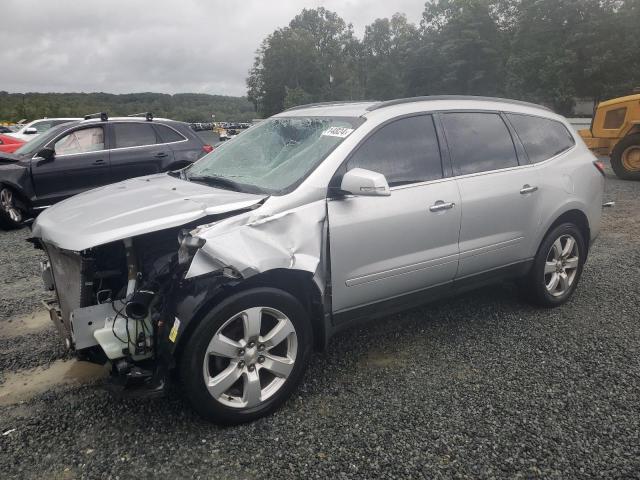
<point x="216" y="180"/>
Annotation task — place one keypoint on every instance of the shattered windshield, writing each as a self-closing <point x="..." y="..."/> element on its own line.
<point x="274" y="155"/>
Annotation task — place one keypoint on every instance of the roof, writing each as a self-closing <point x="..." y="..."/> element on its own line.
<point x="615" y="101"/>
<point x="434" y="102"/>
<point x="329" y="109"/>
<point x="130" y="119"/>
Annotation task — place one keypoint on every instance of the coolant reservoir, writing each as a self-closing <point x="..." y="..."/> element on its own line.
<point x="120" y="333"/>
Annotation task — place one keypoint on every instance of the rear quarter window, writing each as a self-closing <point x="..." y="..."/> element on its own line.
<point x="167" y="134"/>
<point x="542" y="138"/>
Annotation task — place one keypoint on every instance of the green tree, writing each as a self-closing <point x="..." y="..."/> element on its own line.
<point x="468" y="46"/>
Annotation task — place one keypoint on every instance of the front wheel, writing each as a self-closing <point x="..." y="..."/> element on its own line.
<point x="11" y="215"/>
<point x="557" y="267"/>
<point x="246" y="356"/>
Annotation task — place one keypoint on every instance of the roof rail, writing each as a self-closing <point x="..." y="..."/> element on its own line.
<point x="147" y="115"/>
<point x="401" y="101"/>
<point x="101" y="115"/>
<point x="325" y="104"/>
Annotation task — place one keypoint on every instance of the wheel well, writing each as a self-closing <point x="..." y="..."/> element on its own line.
<point x="295" y="282"/>
<point x="578" y="218"/>
<point x="300" y="284"/>
<point x="19" y="194"/>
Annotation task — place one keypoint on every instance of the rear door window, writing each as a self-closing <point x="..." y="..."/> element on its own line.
<point x="542" y="138"/>
<point x="478" y="142"/>
<point x="404" y="151"/>
<point x="133" y="135"/>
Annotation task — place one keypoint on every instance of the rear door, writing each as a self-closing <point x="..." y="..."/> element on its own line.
<point x="385" y="247"/>
<point x="81" y="163"/>
<point x="186" y="146"/>
<point x="500" y="197"/>
<point x="137" y="150"/>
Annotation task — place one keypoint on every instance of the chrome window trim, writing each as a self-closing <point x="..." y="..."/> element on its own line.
<point x="421" y="184"/>
<point x="487" y="172"/>
<point x="517" y="167"/>
<point x="150" y="144"/>
<point x="35" y="156"/>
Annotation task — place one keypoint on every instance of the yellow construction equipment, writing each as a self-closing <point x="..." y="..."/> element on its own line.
<point x="615" y="131"/>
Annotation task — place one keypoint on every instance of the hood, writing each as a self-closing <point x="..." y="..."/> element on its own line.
<point x="133" y="207"/>
<point x="6" y="157"/>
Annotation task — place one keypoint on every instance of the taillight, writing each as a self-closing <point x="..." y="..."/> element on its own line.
<point x="207" y="148"/>
<point x="600" y="166"/>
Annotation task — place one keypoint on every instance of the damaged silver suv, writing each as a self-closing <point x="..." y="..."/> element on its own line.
<point x="233" y="270"/>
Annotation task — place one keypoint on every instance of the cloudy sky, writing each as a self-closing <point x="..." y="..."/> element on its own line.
<point x="170" y="46"/>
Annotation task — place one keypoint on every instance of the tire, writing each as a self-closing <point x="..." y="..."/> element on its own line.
<point x="236" y="362"/>
<point x="11" y="209"/>
<point x="625" y="158"/>
<point x="556" y="261"/>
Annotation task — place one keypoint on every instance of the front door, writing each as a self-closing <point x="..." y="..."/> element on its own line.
<point x="81" y="163"/>
<point x="385" y="247"/>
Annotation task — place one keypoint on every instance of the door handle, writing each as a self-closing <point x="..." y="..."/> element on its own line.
<point x="99" y="162"/>
<point x="440" y="206"/>
<point x="527" y="189"/>
<point x="161" y="155"/>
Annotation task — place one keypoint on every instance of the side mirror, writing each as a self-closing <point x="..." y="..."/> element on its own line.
<point x="30" y="131"/>
<point x="47" y="154"/>
<point x="366" y="183"/>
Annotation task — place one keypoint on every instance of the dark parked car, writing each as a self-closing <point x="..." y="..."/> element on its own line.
<point x="80" y="155"/>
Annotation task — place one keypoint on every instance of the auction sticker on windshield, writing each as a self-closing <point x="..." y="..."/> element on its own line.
<point x="341" y="132"/>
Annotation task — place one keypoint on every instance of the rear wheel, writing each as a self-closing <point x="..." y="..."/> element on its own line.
<point x="625" y="158"/>
<point x="11" y="214"/>
<point x="557" y="267"/>
<point x="246" y="356"/>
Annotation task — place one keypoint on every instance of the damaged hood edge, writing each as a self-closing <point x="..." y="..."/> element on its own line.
<point x="132" y="208"/>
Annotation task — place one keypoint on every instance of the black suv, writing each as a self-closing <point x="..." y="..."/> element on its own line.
<point x="80" y="155"/>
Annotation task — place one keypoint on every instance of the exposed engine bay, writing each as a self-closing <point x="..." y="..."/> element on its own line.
<point x="128" y="301"/>
<point x="110" y="299"/>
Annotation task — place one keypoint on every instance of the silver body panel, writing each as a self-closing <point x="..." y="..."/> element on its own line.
<point x="380" y="247"/>
<point x="133" y="207"/>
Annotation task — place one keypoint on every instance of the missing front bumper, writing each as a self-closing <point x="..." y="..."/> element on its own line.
<point x="56" y="317"/>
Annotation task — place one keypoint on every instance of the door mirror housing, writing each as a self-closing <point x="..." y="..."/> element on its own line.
<point x="365" y="183"/>
<point x="48" y="154"/>
<point x="30" y="131"/>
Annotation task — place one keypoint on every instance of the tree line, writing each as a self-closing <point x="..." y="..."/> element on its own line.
<point x="545" y="51"/>
<point x="188" y="107"/>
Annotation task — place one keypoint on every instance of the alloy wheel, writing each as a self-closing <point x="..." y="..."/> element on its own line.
<point x="8" y="206"/>
<point x="250" y="357"/>
<point x="561" y="265"/>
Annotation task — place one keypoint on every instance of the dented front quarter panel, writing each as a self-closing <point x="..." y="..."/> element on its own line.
<point x="258" y="241"/>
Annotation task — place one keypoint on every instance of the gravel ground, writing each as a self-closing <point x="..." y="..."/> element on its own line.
<point x="480" y="386"/>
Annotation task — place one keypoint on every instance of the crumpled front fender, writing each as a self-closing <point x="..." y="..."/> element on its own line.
<point x="253" y="243"/>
